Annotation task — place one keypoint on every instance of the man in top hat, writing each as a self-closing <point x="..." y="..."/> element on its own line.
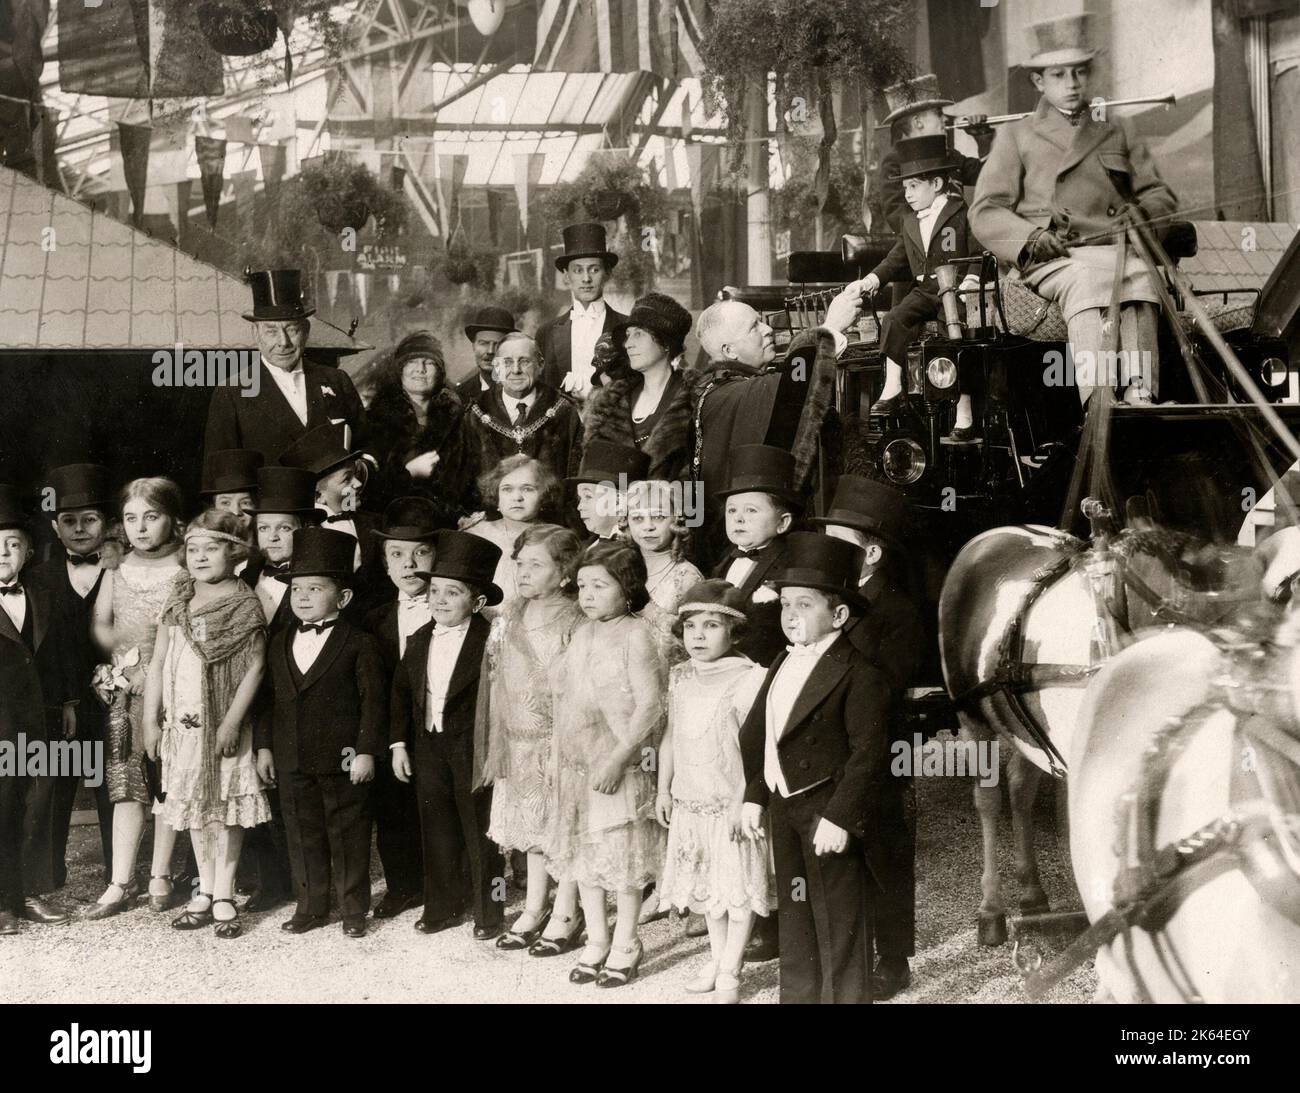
<point x="568" y="342"/>
<point x="891" y="635"/>
<point x="916" y="110"/>
<point x="295" y="395"/>
<point x="487" y="326"/>
<point x="229" y="482"/>
<point x="82" y="503"/>
<point x="1049" y="202"/>
<point x="815" y="749"/>
<point x="38" y="699"/>
<point x="607" y="469"/>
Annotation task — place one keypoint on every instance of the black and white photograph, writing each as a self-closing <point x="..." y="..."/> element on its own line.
<point x="698" y="502"/>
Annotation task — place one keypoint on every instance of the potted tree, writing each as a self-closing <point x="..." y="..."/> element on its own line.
<point x="237" y="28"/>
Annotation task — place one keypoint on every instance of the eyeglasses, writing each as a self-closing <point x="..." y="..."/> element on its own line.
<point x="511" y="362"/>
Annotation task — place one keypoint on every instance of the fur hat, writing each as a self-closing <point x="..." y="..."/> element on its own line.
<point x="662" y="316"/>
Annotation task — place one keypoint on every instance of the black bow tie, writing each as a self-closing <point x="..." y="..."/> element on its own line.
<point x="83" y="559"/>
<point x="751" y="554"/>
<point x="15" y="589"/>
<point x="337" y="518"/>
<point x="279" y="572"/>
<point x="316" y="627"/>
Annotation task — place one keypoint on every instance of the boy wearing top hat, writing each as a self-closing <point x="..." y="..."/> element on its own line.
<point x="601" y="484"/>
<point x="1049" y="200"/>
<point x="815" y="751"/>
<point x="933" y="234"/>
<point x="890" y="634"/>
<point x="38" y="700"/>
<point x="294" y="394"/>
<point x="568" y="342"/>
<point x="82" y="501"/>
<point x="325" y="727"/>
<point x="229" y="483"/>
<point x="485" y="329"/>
<point x="434" y="699"/>
<point x="760" y="504"/>
<point x="409" y="534"/>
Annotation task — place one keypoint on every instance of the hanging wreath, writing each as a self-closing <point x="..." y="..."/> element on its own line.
<point x="237" y="28"/>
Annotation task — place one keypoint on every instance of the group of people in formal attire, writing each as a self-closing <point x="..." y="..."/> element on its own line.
<point x="571" y="625"/>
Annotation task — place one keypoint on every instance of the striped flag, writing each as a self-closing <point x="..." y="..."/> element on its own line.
<point x="660" y="36"/>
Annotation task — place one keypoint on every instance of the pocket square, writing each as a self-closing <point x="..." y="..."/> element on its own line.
<point x="763" y="594"/>
<point x="325" y="389"/>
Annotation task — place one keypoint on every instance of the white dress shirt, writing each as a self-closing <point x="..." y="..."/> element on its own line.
<point x="781" y="697"/>
<point x="927" y="218"/>
<point x="307" y="646"/>
<point x="16" y="608"/>
<point x="586" y="324"/>
<point x="350" y="526"/>
<point x="739" y="570"/>
<point x="82" y="577"/>
<point x="293" y="385"/>
<point x="412" y="613"/>
<point x="444" y="649"/>
<point x="512" y="404"/>
<point x="271" y="593"/>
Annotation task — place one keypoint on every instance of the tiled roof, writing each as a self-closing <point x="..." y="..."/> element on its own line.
<point x="73" y="278"/>
<point x="1233" y="255"/>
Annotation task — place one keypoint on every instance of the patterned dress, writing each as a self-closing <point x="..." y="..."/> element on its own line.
<point x="704" y="870"/>
<point x="139" y="592"/>
<point x="494" y="531"/>
<point x="666" y="594"/>
<point x="519" y="712"/>
<point x="609" y="694"/>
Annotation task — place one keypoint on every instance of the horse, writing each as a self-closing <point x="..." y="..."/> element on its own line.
<point x="1027" y="616"/>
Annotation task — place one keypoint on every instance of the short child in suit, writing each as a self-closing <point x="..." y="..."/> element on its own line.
<point x="229" y="484"/>
<point x="434" y="702"/>
<point x="601" y="485"/>
<point x="815" y="751"/>
<point x="325" y="727"/>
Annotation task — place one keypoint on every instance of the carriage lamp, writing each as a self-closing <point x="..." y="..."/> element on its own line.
<point x="941" y="372"/>
<point x="1274" y="372"/>
<point x="902" y="461"/>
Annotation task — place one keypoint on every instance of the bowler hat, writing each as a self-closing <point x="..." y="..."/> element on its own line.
<point x="490" y="318"/>
<point x="717" y="595"/>
<point x="322" y="552"/>
<point x="80" y="486"/>
<point x="585" y="241"/>
<point x="319" y="450"/>
<point x="913" y="96"/>
<point x="1060" y="41"/>
<point x="662" y="316"/>
<point x="277" y="295"/>
<point x="867" y="505"/>
<point x="605" y="461"/>
<point x="927" y="155"/>
<point x="468" y="558"/>
<point x="288" y="491"/>
<point x="12" y="514"/>
<point x="413" y="519"/>
<point x="813" y="560"/>
<point x="230" y="470"/>
<point x="761" y="468"/>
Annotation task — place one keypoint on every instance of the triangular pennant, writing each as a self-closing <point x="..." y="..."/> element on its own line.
<point x="133" y="140"/>
<point x="528" y="173"/>
<point x="361" y="286"/>
<point x="211" y="154"/>
<point x="703" y="160"/>
<point x="245" y="183"/>
<point x="332" y="284"/>
<point x="272" y="157"/>
<point x="104" y="48"/>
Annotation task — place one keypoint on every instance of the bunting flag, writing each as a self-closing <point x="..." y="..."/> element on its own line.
<point x="212" y="166"/>
<point x="687" y="126"/>
<point x="245" y="183"/>
<point x="272" y="158"/>
<point x="703" y="161"/>
<point x="133" y="145"/>
<point x="361" y="287"/>
<point x="397" y="177"/>
<point x="660" y="36"/>
<point x="451" y="175"/>
<point x="528" y="173"/>
<point x="104" y="49"/>
<point x="182" y="64"/>
<point x="177" y="197"/>
<point x="332" y="284"/>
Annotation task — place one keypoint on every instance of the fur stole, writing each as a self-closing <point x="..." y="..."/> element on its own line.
<point x="671" y="446"/>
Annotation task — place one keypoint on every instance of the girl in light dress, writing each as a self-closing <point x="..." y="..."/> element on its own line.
<point x="207" y="663"/>
<point x="519" y="486"/>
<point x="608" y="717"/>
<point x="124" y="623"/>
<point x="514" y="727"/>
<point x="659" y="532"/>
<point x="710" y="868"/>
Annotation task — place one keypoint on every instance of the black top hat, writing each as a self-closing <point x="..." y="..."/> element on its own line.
<point x="230" y="470"/>
<point x="490" y="318"/>
<point x="277" y="294"/>
<point x="817" y="561"/>
<point x="605" y="460"/>
<point x="322" y="552"/>
<point x="662" y="316"/>
<point x="81" y="486"/>
<point x="289" y="491"/>
<point x="869" y="506"/>
<point x="319" y="450"/>
<point x="927" y="155"/>
<point x="12" y="514"/>
<point x="585" y="241"/>
<point x="413" y="518"/>
<point x="761" y="468"/>
<point x="468" y="558"/>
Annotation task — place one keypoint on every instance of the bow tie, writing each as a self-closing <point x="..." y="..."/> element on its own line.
<point x="799" y="651"/>
<point x="316" y="627"/>
<point x="443" y="631"/>
<point x="277" y="571"/>
<point x="751" y="554"/>
<point x="15" y="589"/>
<point x="338" y="518"/>
<point x="83" y="559"/>
<point x="408" y="603"/>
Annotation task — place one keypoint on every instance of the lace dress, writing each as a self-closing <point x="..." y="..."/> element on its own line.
<point x="609" y="694"/>
<point x="666" y="594"/>
<point x="704" y="870"/>
<point x="494" y="531"/>
<point x="139" y="592"/>
<point x="519" y="713"/>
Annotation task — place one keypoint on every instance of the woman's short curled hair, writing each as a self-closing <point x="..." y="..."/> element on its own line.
<point x="624" y="563"/>
<point x="548" y="484"/>
<point x="564" y="547"/>
<point x="658" y="489"/>
<point x="225" y="522"/>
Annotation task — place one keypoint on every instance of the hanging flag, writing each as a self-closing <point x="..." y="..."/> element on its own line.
<point x="133" y="143"/>
<point x="182" y="64"/>
<point x="703" y="161"/>
<point x="212" y="166"/>
<point x="660" y="36"/>
<point x="826" y="106"/>
<point x="332" y="284"/>
<point x="272" y="158"/>
<point x="670" y="165"/>
<point x="451" y="174"/>
<point x="528" y="173"/>
<point x="245" y="183"/>
<point x="104" y="49"/>
<point x="397" y="177"/>
<point x="687" y="126"/>
<point x="177" y="197"/>
<point x="361" y="286"/>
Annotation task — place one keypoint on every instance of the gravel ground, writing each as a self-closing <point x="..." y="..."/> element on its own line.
<point x="136" y="958"/>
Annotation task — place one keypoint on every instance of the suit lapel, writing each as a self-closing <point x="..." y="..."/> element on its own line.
<point x="830" y="669"/>
<point x="1051" y="125"/>
<point x="761" y="568"/>
<point x="277" y="407"/>
<point x="564" y="342"/>
<point x="338" y="637"/>
<point x="38" y="604"/>
<point x="1086" y="138"/>
<point x="417" y="653"/>
<point x="317" y="411"/>
<point x="470" y="658"/>
<point x="7" y="627"/>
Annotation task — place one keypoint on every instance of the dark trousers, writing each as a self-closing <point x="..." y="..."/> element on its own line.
<point x="824" y="907"/>
<point x="267" y="848"/>
<point x="26" y="866"/>
<point x="327" y="823"/>
<point x="453" y="825"/>
<point x="895" y="906"/>
<point x="903" y="323"/>
<point x="397" y="832"/>
<point x="90" y="726"/>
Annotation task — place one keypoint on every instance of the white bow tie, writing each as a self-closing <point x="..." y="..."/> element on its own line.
<point x="802" y="651"/>
<point x="410" y="605"/>
<point x="928" y="214"/>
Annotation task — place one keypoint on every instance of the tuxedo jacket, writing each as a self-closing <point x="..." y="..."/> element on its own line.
<point x="370" y="584"/>
<point x="36" y="678"/>
<point x="75" y="616"/>
<point x="283" y="616"/>
<point x="891" y="633"/>
<point x="764" y="637"/>
<point x="410" y="684"/>
<point x="340" y="704"/>
<point x="381" y="624"/>
<point x="555" y="340"/>
<point x="950" y="239"/>
<point x="266" y="423"/>
<point x="837" y="736"/>
<point x="892" y="202"/>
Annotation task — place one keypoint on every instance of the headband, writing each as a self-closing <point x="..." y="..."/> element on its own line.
<point x="204" y="533"/>
<point x="720" y="608"/>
